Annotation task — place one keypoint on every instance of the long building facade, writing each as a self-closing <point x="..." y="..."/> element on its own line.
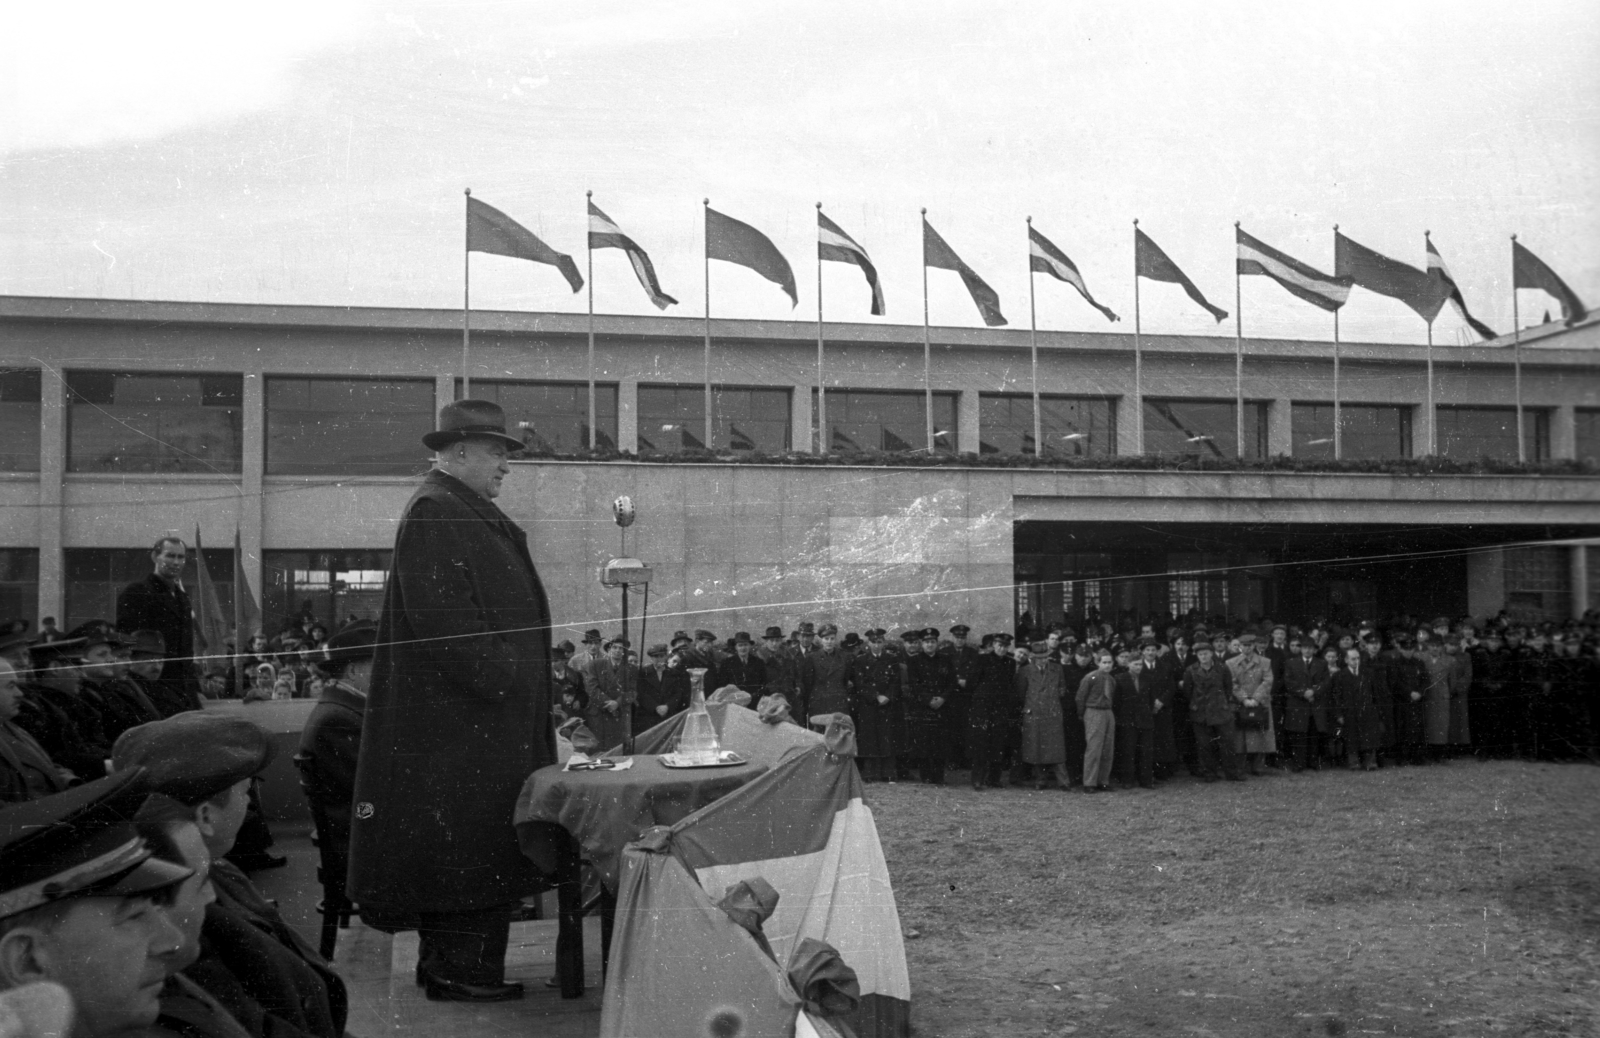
<point x="296" y="431"/>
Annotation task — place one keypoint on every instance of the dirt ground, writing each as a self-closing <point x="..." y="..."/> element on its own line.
<point x="1457" y="899"/>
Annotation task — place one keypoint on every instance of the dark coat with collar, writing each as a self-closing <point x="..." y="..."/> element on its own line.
<point x="1300" y="677"/>
<point x="152" y="604"/>
<point x="458" y="713"/>
<point x="750" y="675"/>
<point x="877" y="724"/>
<point x="669" y="689"/>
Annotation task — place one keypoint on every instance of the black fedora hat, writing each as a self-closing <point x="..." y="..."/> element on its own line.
<point x="470" y="419"/>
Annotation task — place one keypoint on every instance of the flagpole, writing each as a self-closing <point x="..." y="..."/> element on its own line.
<point x="1433" y="417"/>
<point x="1138" y="353"/>
<point x="1516" y="346"/>
<point x="822" y="403"/>
<point x="238" y="619"/>
<point x="588" y="247"/>
<point x="927" y="351"/>
<point x="1338" y="431"/>
<point x="1238" y="348"/>
<point x="1033" y="346"/>
<point x="466" y="303"/>
<point x="706" y="202"/>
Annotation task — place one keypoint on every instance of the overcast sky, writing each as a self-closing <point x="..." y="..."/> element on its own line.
<point x="313" y="152"/>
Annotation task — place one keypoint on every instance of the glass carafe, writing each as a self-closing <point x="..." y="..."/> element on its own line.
<point x="697" y="742"/>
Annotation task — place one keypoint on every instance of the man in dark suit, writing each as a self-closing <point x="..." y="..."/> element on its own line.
<point x="160" y="603"/>
<point x="458" y="716"/>
<point x="330" y="743"/>
<point x="744" y="669"/>
<point x="663" y="689"/>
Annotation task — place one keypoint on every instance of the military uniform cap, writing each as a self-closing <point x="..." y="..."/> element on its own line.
<point x="658" y="649"/>
<point x="911" y="634"/>
<point x="703" y="635"/>
<point x="96" y="632"/>
<point x="826" y="630"/>
<point x="62" y="648"/>
<point x="196" y="755"/>
<point x="80" y="843"/>
<point x="13" y="635"/>
<point x="930" y="634"/>
<point x="960" y="630"/>
<point x="357" y="642"/>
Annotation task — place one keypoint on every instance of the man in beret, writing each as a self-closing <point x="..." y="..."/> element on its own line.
<point x="160" y="602"/>
<point x="207" y="762"/>
<point x="82" y="904"/>
<point x="458" y="716"/>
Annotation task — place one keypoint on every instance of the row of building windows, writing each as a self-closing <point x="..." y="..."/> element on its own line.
<point x="327" y="426"/>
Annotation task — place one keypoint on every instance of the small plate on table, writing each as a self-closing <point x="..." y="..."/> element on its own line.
<point x="725" y="759"/>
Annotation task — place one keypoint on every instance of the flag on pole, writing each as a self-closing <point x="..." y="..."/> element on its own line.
<point x="1378" y="273"/>
<point x="1437" y="270"/>
<point x="1529" y="271"/>
<point x="490" y="230"/>
<point x="935" y="253"/>
<point x="247" y="613"/>
<point x="834" y="244"/>
<point x="1044" y="257"/>
<point x="1150" y="262"/>
<point x="213" y="630"/>
<point x="605" y="234"/>
<point x="1300" y="280"/>
<point x="732" y="241"/>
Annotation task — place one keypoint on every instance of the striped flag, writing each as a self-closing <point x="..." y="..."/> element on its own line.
<point x="1308" y="283"/>
<point x="1529" y="271"/>
<point x="1150" y="262"/>
<point x="1440" y="272"/>
<point x="490" y="230"/>
<point x="605" y="234"/>
<point x="834" y="244"/>
<point x="1378" y="273"/>
<point x="1044" y="257"/>
<point x="935" y="253"/>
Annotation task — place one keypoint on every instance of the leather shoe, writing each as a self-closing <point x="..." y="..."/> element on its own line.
<point x="440" y="990"/>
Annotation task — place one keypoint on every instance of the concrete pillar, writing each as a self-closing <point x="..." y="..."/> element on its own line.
<point x="444" y="390"/>
<point x="1423" y="424"/>
<point x="628" y="415"/>
<point x="1564" y="433"/>
<point x="1579" y="561"/>
<point x="1486" y="584"/>
<point x="800" y="427"/>
<point x="252" y="502"/>
<point x="52" y="472"/>
<point x="1280" y="430"/>
<point x="967" y="421"/>
<point x="1128" y="419"/>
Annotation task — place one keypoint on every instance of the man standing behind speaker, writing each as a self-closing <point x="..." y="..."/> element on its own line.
<point x="458" y="716"/>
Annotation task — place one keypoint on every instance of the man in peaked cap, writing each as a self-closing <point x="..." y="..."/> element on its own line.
<point x="207" y="762"/>
<point x="462" y="678"/>
<point x="81" y="904"/>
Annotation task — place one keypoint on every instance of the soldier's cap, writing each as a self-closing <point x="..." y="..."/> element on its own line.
<point x="1005" y="638"/>
<point x="1281" y="627"/>
<point x="591" y="636"/>
<point x="807" y="627"/>
<point x="148" y="643"/>
<point x="773" y="632"/>
<point x="45" y="653"/>
<point x="13" y="635"/>
<point x="96" y="632"/>
<point x="703" y="635"/>
<point x="911" y="634"/>
<point x="930" y="634"/>
<point x="357" y="642"/>
<point x="658" y="649"/>
<point x="875" y="634"/>
<point x="743" y="638"/>
<point x="960" y="630"/>
<point x="194" y="756"/>
<point x="1200" y="647"/>
<point x="80" y="843"/>
<point x="825" y="631"/>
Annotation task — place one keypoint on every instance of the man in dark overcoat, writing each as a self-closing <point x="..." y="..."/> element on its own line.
<point x="458" y="716"/>
<point x="929" y="690"/>
<point x="824" y="674"/>
<point x="160" y="603"/>
<point x="744" y="669"/>
<point x="874" y="680"/>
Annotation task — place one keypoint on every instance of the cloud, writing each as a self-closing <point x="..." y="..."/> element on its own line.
<point x="92" y="72"/>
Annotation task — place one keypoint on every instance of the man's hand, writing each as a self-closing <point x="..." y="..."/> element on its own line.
<point x="610" y="707"/>
<point x="961" y="682"/>
<point x="883" y="700"/>
<point x="1249" y="701"/>
<point x="661" y="711"/>
<point x="1416" y="696"/>
<point x="936" y="702"/>
<point x="1310" y="695"/>
<point x="1157" y="706"/>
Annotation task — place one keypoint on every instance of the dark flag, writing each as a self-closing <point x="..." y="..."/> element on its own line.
<point x="1529" y="271"/>
<point x="1044" y="257"/>
<point x="935" y="253"/>
<point x="834" y="244"/>
<point x="1437" y="269"/>
<point x="490" y="230"/>
<point x="1150" y="262"/>
<point x="1300" y="280"/>
<point x="730" y="240"/>
<point x="1378" y="273"/>
<point x="605" y="234"/>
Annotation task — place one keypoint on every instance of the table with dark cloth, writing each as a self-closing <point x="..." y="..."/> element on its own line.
<point x="606" y="810"/>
